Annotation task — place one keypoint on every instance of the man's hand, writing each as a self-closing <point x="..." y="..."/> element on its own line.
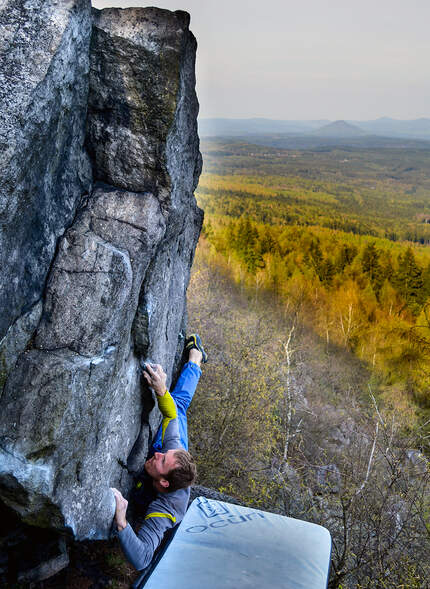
<point x="156" y="378"/>
<point x="121" y="509"/>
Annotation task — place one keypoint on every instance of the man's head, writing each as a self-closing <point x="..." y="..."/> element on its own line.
<point x="175" y="469"/>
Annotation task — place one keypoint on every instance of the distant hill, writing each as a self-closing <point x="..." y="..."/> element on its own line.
<point x="384" y="126"/>
<point x="339" y="129"/>
<point x="416" y="128"/>
<point x="242" y="127"/>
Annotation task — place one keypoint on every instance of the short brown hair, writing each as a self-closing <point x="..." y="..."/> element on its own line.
<point x="184" y="474"/>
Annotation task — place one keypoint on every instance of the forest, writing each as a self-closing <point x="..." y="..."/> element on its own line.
<point x="352" y="262"/>
<point x="315" y="402"/>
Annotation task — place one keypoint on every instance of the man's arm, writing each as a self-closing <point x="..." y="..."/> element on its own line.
<point x="156" y="378"/>
<point x="139" y="548"/>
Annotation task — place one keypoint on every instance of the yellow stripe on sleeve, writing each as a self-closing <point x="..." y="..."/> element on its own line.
<point x="159" y="514"/>
<point x="167" y="405"/>
<point x="166" y="422"/>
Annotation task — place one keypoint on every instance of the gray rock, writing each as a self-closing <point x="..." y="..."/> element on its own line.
<point x="75" y="415"/>
<point x="94" y="285"/>
<point x="395" y="513"/>
<point x="44" y="170"/>
<point x="291" y="476"/>
<point x="135" y="76"/>
<point x="161" y="312"/>
<point x="328" y="479"/>
<point x="416" y="464"/>
<point x="57" y="472"/>
<point x="16" y="340"/>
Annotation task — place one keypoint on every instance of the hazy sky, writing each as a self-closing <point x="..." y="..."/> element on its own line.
<point x="309" y="59"/>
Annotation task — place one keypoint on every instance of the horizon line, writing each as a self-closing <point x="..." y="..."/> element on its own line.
<point x="267" y="118"/>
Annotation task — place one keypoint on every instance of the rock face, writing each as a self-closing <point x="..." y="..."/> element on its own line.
<point x="75" y="414"/>
<point x="44" y="170"/>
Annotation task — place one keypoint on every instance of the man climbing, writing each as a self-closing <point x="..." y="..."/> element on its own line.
<point x="170" y="470"/>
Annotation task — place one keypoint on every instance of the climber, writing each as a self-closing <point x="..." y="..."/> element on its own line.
<point x="164" y="488"/>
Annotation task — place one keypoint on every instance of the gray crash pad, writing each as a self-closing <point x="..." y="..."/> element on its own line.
<point x="220" y="545"/>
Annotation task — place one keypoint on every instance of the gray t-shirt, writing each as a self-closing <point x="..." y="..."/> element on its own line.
<point x="167" y="509"/>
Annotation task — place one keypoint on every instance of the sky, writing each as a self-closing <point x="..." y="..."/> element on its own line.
<point x="308" y="59"/>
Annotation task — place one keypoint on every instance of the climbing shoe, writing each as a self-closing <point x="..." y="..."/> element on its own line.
<point x="194" y="342"/>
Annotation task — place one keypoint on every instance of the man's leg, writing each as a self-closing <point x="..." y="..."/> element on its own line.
<point x="182" y="395"/>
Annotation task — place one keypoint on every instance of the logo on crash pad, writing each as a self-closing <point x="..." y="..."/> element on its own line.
<point x="211" y="508"/>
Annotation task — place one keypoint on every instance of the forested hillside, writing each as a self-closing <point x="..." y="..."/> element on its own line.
<point x="285" y="422"/>
<point x="380" y="192"/>
<point x="342" y="242"/>
<point x="311" y="289"/>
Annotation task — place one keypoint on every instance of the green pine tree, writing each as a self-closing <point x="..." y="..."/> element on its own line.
<point x="409" y="281"/>
<point x="371" y="267"/>
<point x="345" y="256"/>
